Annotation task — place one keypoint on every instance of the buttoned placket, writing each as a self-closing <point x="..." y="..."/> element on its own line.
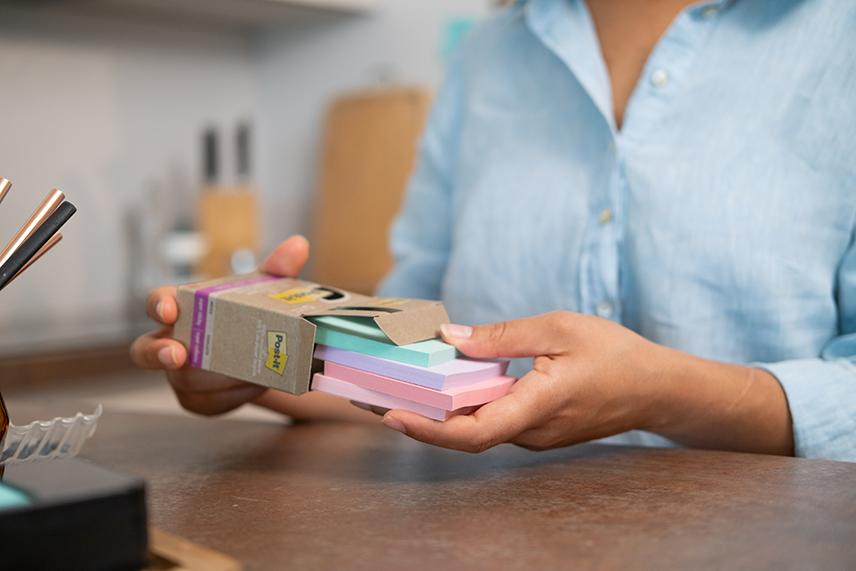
<point x="668" y="68"/>
<point x="567" y="29"/>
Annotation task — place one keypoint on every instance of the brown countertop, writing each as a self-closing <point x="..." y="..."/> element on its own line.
<point x="340" y="496"/>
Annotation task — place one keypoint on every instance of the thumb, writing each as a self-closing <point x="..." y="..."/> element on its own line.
<point x="288" y="258"/>
<point x="528" y="337"/>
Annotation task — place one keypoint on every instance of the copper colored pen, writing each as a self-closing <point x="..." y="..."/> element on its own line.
<point x="45" y="209"/>
<point x="54" y="240"/>
<point x="5" y="185"/>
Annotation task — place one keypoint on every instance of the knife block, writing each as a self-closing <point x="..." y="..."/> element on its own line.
<point x="228" y="222"/>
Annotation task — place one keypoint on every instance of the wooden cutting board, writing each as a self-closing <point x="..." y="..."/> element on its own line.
<point x="368" y="155"/>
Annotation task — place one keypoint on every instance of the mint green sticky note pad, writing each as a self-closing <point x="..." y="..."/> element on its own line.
<point x="362" y="335"/>
<point x="12" y="497"/>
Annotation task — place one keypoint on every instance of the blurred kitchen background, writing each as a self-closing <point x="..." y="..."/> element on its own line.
<point x="193" y="136"/>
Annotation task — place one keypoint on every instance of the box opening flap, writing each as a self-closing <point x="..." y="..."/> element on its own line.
<point x="417" y="323"/>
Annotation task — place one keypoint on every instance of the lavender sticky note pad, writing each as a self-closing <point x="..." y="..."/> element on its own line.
<point x="450" y="374"/>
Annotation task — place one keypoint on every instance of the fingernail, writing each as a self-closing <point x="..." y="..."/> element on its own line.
<point x="167" y="357"/>
<point x="456" y="331"/>
<point x="394" y="424"/>
<point x="159" y="309"/>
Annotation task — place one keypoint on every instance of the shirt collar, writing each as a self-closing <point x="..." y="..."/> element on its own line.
<point x="566" y="29"/>
<point x="700" y="4"/>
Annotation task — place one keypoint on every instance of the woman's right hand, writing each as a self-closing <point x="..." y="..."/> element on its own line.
<point x="201" y="391"/>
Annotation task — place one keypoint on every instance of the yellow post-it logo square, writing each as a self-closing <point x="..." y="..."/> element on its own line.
<point x="299" y="295"/>
<point x="276" y="352"/>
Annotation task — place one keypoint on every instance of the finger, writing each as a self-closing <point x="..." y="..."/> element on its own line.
<point x="540" y="335"/>
<point x="220" y="402"/>
<point x="463" y="411"/>
<point x="288" y="258"/>
<point x="189" y="380"/>
<point x="381" y="411"/>
<point x="492" y="424"/>
<point x="378" y="410"/>
<point x="158" y="351"/>
<point x="161" y="305"/>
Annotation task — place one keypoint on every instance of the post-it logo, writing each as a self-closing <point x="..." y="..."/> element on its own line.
<point x="276" y="352"/>
<point x="309" y="294"/>
<point x="299" y="295"/>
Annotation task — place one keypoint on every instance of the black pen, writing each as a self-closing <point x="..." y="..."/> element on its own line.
<point x="35" y="242"/>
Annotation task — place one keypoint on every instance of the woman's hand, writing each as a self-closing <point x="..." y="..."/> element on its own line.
<point x="593" y="378"/>
<point x="197" y="390"/>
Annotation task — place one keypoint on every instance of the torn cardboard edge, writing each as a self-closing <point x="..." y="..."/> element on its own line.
<point x="253" y="327"/>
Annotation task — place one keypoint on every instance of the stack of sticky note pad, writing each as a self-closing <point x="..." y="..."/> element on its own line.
<point x="362" y="364"/>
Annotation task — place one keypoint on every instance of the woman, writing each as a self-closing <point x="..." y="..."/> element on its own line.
<point x="678" y="180"/>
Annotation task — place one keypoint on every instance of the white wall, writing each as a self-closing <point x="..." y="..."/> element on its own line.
<point x="110" y="110"/>
<point x="107" y="111"/>
<point x="302" y="70"/>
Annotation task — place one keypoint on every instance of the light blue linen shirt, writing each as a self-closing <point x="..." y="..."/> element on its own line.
<point x="718" y="220"/>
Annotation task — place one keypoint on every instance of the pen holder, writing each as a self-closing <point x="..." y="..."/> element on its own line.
<point x="4" y="419"/>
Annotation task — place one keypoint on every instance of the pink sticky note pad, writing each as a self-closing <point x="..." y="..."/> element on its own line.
<point x="454" y="373"/>
<point x="325" y="384"/>
<point x="473" y="394"/>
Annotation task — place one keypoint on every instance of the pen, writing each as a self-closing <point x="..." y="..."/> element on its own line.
<point x="5" y="185"/>
<point x="54" y="240"/>
<point x="19" y="257"/>
<point x="48" y="205"/>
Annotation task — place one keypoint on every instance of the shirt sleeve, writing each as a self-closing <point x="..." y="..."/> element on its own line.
<point x="421" y="235"/>
<point x="821" y="392"/>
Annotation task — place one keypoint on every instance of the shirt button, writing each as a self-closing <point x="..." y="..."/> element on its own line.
<point x="659" y="78"/>
<point x="710" y="12"/>
<point x="605" y="216"/>
<point x="604" y="309"/>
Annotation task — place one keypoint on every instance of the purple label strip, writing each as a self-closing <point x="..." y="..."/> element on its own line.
<point x="200" y="314"/>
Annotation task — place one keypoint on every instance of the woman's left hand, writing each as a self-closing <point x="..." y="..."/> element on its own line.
<point x="593" y="378"/>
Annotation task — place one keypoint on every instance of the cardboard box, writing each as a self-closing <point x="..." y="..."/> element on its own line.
<point x="253" y="327"/>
